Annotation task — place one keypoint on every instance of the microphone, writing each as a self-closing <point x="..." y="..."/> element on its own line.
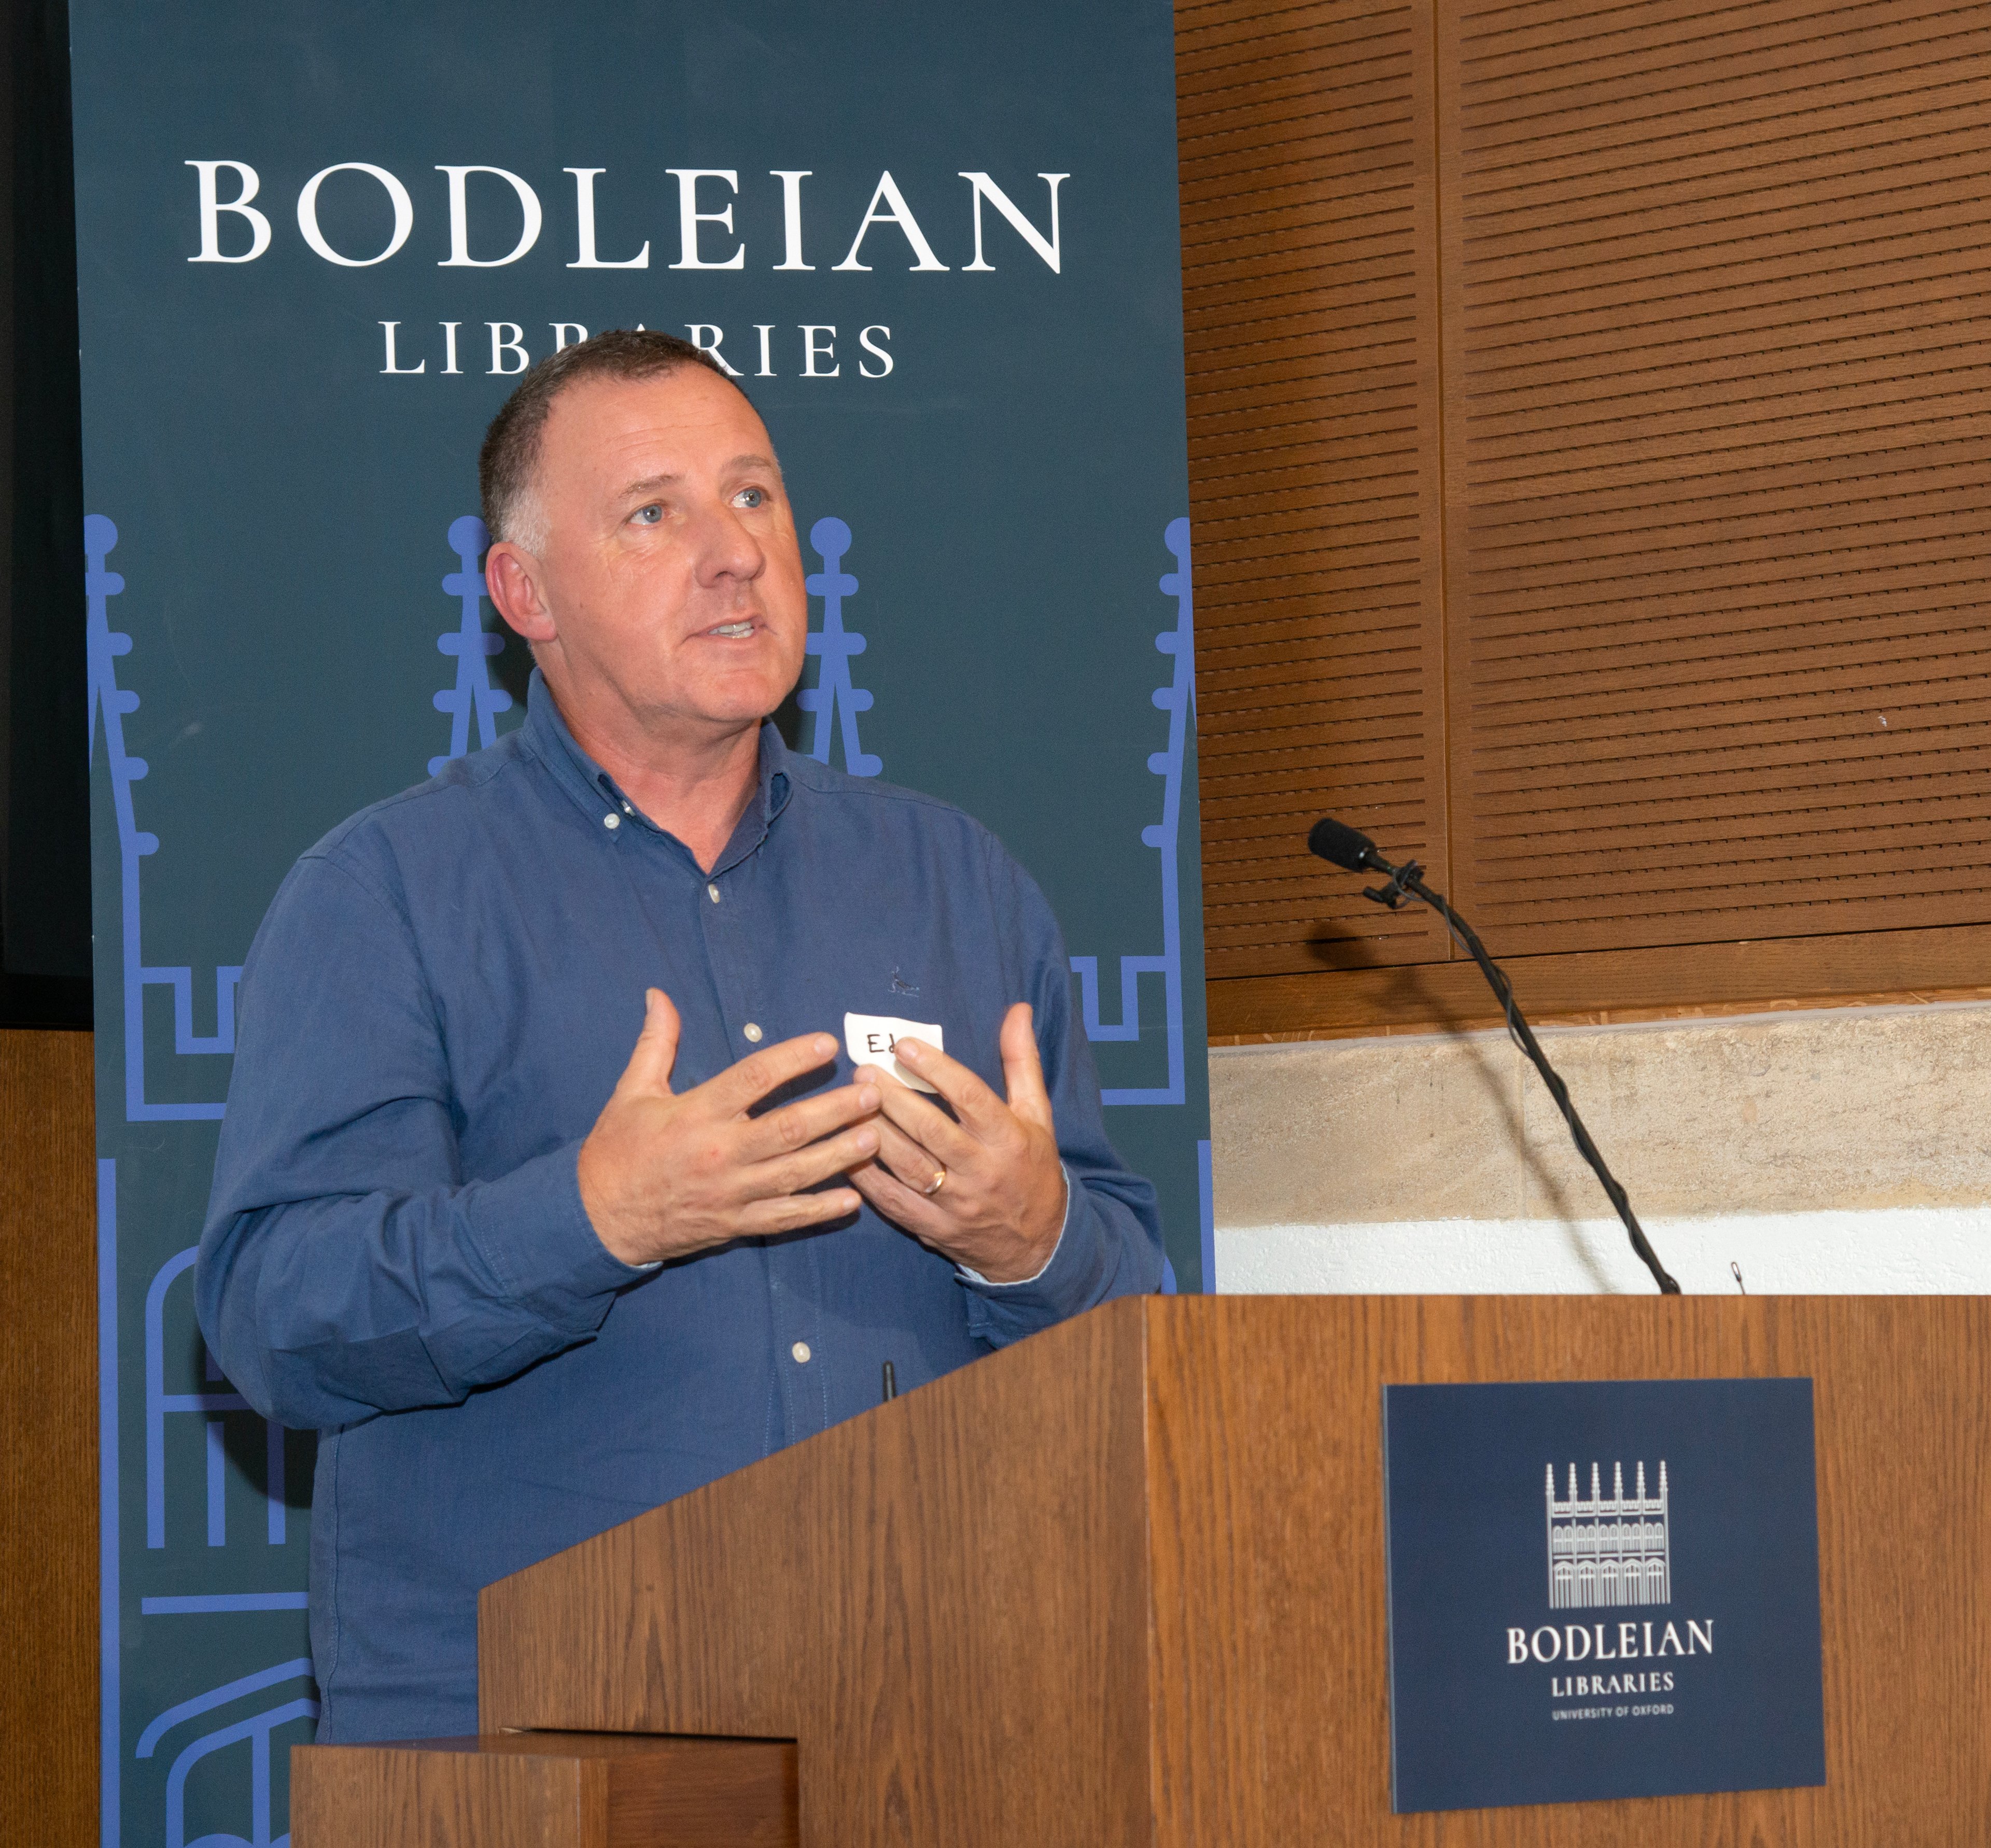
<point x="1350" y="849"/>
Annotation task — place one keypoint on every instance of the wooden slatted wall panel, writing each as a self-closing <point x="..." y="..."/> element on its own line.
<point x="49" y="1559"/>
<point x="1718" y="446"/>
<point x="1309" y="255"/>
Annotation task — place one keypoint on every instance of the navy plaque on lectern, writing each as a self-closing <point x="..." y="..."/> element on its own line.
<point x="1601" y="1589"/>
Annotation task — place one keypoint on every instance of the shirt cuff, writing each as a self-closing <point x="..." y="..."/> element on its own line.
<point x="975" y="1276"/>
<point x="1073" y="1281"/>
<point x="532" y="1230"/>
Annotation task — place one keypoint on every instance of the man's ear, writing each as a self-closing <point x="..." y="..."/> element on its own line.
<point x="511" y="578"/>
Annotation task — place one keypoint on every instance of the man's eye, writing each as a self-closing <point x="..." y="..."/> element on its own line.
<point x="648" y="516"/>
<point x="752" y="496"/>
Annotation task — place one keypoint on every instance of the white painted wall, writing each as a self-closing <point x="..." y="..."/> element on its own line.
<point x="1904" y="1250"/>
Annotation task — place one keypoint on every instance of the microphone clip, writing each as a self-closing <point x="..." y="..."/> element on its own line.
<point x="1393" y="893"/>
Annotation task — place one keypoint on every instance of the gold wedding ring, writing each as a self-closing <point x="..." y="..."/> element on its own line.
<point x="939" y="1181"/>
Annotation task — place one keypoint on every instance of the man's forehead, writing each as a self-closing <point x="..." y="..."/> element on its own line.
<point x="753" y="463"/>
<point x="656" y="429"/>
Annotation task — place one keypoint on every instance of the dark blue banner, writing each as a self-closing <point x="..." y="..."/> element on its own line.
<point x="1605" y="1589"/>
<point x="938" y="247"/>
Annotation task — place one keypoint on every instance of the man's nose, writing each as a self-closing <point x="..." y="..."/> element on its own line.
<point x="728" y="546"/>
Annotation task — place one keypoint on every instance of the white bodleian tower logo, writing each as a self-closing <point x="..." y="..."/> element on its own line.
<point x="1605" y="1553"/>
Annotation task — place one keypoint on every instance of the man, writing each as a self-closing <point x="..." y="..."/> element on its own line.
<point x="527" y="1282"/>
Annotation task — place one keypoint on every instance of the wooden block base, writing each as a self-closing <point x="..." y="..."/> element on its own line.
<point x="547" y="1790"/>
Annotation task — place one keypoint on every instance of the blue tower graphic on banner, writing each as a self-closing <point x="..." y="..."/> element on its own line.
<point x="833" y="695"/>
<point x="473" y="695"/>
<point x="1178" y="699"/>
<point x="255" y="1730"/>
<point x="100" y="538"/>
<point x="250" y="1779"/>
<point x="160" y="1405"/>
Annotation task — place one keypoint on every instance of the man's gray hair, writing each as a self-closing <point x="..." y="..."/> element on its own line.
<point x="509" y="460"/>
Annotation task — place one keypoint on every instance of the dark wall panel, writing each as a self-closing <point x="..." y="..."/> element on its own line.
<point x="44" y="776"/>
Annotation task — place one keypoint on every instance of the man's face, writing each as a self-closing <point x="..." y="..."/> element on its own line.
<point x="669" y="570"/>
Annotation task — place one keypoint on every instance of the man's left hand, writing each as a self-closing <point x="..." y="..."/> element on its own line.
<point x="987" y="1190"/>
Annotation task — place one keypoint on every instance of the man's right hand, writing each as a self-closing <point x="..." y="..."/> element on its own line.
<point x="663" y="1176"/>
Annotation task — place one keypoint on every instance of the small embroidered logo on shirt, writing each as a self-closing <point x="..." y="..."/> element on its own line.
<point x="872" y="1039"/>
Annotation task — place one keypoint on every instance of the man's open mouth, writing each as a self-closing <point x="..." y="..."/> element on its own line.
<point x="732" y="631"/>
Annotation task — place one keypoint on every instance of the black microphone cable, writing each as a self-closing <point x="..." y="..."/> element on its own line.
<point x="1352" y="850"/>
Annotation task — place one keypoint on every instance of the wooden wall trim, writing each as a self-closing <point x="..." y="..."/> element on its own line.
<point x="48" y="1770"/>
<point x="1892" y="965"/>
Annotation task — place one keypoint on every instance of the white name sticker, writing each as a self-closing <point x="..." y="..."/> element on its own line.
<point x="872" y="1039"/>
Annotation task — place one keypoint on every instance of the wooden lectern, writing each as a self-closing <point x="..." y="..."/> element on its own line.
<point x="1124" y="1584"/>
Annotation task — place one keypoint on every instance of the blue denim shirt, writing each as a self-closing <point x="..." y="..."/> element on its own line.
<point x="437" y="1007"/>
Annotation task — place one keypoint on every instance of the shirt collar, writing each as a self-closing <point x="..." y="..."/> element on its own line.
<point x="595" y="791"/>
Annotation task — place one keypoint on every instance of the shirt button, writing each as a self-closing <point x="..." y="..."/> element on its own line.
<point x="712" y="892"/>
<point x="611" y="821"/>
<point x="754" y="1034"/>
<point x="801" y="1351"/>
